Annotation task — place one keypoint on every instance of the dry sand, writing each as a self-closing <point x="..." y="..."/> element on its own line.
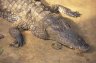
<point x="40" y="51"/>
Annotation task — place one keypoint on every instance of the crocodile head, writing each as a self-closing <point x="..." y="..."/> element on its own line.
<point x="68" y="38"/>
<point x="73" y="40"/>
<point x="59" y="30"/>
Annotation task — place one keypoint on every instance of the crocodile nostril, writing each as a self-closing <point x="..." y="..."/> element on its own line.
<point x="84" y="48"/>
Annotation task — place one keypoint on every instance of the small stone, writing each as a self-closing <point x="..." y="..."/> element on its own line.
<point x="1" y="36"/>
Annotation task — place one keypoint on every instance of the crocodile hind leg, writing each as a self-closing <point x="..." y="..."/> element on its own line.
<point x="16" y="34"/>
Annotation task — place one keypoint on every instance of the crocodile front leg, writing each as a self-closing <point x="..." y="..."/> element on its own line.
<point x="16" y="34"/>
<point x="61" y="9"/>
<point x="64" y="10"/>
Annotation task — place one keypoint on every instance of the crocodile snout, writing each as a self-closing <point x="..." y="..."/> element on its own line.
<point x="84" y="48"/>
<point x="75" y="41"/>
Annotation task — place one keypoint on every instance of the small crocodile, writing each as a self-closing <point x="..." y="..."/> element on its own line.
<point x="44" y="21"/>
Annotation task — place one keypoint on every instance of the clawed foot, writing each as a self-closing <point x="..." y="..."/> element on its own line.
<point x="75" y="14"/>
<point x="68" y="11"/>
<point x="17" y="44"/>
<point x="57" y="46"/>
<point x="14" y="44"/>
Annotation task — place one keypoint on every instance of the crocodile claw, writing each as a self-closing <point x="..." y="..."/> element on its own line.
<point x="75" y="14"/>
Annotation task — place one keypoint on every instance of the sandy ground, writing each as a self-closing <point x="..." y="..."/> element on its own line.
<point x="40" y="51"/>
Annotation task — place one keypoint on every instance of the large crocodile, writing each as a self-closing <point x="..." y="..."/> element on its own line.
<point x="43" y="21"/>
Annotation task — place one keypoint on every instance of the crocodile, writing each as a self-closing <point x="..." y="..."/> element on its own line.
<point x="44" y="22"/>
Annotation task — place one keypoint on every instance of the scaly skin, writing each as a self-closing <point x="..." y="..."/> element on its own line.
<point x="43" y="21"/>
